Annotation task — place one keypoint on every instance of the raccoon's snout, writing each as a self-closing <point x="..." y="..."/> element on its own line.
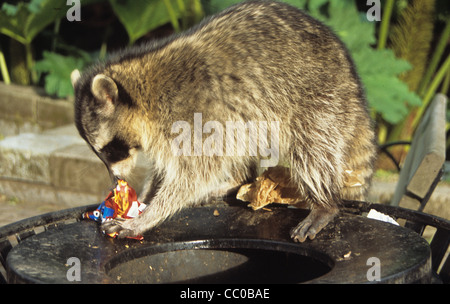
<point x="124" y="168"/>
<point x="114" y="178"/>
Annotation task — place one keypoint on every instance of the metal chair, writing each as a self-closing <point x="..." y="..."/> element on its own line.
<point x="421" y="172"/>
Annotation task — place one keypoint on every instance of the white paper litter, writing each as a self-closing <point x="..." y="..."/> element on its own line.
<point x="373" y="214"/>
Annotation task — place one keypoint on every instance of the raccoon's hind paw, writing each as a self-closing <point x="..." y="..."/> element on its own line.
<point x="121" y="227"/>
<point x="313" y="223"/>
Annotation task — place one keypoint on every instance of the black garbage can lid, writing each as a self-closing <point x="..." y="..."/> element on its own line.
<point x="225" y="245"/>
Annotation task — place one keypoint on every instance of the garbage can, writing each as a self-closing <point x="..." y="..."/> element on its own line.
<point x="223" y="243"/>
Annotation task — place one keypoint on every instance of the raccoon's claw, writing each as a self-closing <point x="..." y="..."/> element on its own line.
<point x="119" y="225"/>
<point x="312" y="224"/>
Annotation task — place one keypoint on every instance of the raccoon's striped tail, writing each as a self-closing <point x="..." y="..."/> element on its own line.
<point x="358" y="168"/>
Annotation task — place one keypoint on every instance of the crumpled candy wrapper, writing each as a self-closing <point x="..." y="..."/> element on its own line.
<point x="121" y="202"/>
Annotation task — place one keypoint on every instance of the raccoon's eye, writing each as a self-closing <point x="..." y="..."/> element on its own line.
<point x="116" y="150"/>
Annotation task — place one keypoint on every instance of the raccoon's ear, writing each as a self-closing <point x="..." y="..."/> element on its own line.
<point x="105" y="91"/>
<point x="74" y="77"/>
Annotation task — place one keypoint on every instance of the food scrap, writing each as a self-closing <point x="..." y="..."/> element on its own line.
<point x="121" y="202"/>
<point x="353" y="178"/>
<point x="273" y="186"/>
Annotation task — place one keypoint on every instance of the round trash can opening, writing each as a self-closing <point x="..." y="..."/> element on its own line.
<point x="219" y="261"/>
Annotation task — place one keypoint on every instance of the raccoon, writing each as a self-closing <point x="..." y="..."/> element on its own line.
<point x="257" y="61"/>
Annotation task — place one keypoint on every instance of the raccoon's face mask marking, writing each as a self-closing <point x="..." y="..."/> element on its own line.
<point x="116" y="150"/>
<point x="119" y="157"/>
<point x="98" y="128"/>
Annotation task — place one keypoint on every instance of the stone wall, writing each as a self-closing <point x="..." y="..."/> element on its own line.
<point x="27" y="109"/>
<point x="42" y="157"/>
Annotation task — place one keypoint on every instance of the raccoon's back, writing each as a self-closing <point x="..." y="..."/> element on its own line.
<point x="275" y="56"/>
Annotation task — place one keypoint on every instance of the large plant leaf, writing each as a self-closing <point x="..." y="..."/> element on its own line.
<point x="351" y="26"/>
<point x="387" y="96"/>
<point x="386" y="93"/>
<point x="58" y="69"/>
<point x="12" y="21"/>
<point x="141" y="16"/>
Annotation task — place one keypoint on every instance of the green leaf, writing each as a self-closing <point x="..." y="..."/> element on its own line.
<point x="141" y="16"/>
<point x="9" y="9"/>
<point x="355" y="32"/>
<point x="13" y="20"/>
<point x="379" y="70"/>
<point x="58" y="69"/>
<point x="380" y="62"/>
<point x="389" y="96"/>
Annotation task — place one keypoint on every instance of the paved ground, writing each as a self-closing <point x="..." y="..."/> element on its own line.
<point x="12" y="210"/>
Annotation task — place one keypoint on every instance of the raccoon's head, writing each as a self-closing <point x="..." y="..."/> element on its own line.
<point x="105" y="122"/>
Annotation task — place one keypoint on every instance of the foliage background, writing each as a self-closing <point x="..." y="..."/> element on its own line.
<point x="402" y="60"/>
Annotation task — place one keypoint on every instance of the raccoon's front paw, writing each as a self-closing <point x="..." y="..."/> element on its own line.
<point x="123" y="227"/>
<point x="313" y="223"/>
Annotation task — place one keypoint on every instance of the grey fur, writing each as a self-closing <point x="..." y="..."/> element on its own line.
<point x="256" y="61"/>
